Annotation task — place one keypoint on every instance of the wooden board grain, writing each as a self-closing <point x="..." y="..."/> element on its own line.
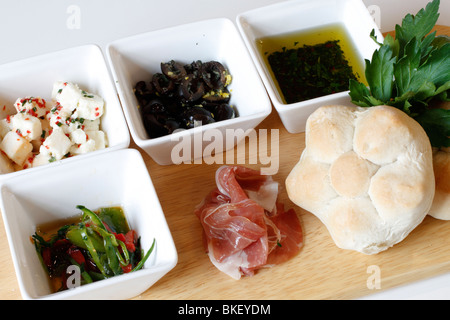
<point x="320" y="271"/>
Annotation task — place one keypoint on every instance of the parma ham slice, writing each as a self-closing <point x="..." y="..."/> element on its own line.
<point x="245" y="228"/>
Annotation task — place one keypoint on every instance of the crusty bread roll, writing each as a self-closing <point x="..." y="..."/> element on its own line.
<point x="441" y="163"/>
<point x="440" y="208"/>
<point x="366" y="173"/>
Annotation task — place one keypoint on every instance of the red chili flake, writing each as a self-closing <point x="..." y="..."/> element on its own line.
<point x="27" y="118"/>
<point x="4" y="108"/>
<point x="8" y="118"/>
<point x="127" y="268"/>
<point x="97" y="114"/>
<point x="40" y="103"/>
<point x="96" y="109"/>
<point x="28" y="131"/>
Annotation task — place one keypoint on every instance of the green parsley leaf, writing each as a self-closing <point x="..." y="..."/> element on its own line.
<point x="419" y="25"/>
<point x="436" y="123"/>
<point x="380" y="73"/>
<point x="410" y="72"/>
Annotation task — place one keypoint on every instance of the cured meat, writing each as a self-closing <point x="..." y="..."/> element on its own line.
<point x="245" y="228"/>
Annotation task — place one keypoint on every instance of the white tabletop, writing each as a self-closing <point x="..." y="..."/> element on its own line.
<point x="30" y="27"/>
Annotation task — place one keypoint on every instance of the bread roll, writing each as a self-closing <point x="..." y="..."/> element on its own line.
<point x="441" y="163"/>
<point x="440" y="208"/>
<point x="366" y="173"/>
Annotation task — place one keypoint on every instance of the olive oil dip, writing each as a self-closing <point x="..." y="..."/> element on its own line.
<point x="311" y="63"/>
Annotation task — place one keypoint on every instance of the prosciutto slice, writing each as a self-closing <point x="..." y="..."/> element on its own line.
<point x="245" y="227"/>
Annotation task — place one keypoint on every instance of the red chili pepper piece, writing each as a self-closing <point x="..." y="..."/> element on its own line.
<point x="130" y="237"/>
<point x="76" y="255"/>
<point x="127" y="268"/>
<point x="47" y="257"/>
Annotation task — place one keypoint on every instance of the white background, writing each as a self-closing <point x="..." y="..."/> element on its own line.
<point x="32" y="27"/>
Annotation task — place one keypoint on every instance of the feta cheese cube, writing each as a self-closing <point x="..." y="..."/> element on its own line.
<point x="5" y="127"/>
<point x="59" y="117"/>
<point x="28" y="163"/>
<point x="16" y="147"/>
<point x="58" y="86"/>
<point x="68" y="96"/>
<point x="91" y="125"/>
<point x="78" y="136"/>
<point x="34" y="106"/>
<point x="27" y="125"/>
<point x="90" y="106"/>
<point x="98" y="137"/>
<point x="6" y="165"/>
<point x="41" y="159"/>
<point x="86" y="147"/>
<point x="57" y="144"/>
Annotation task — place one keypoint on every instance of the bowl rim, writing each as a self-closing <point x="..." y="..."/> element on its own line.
<point x="273" y="92"/>
<point x="85" y="48"/>
<point x="161" y="267"/>
<point x="262" y="113"/>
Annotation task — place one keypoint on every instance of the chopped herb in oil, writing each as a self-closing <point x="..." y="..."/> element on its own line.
<point x="311" y="71"/>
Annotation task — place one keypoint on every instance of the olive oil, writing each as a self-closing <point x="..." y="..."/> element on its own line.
<point x="295" y="40"/>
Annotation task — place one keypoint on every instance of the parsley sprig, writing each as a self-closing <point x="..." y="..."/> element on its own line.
<point x="411" y="71"/>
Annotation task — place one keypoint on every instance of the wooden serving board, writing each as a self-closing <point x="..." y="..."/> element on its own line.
<point x="320" y="271"/>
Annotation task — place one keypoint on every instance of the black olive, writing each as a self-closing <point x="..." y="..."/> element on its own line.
<point x="223" y="111"/>
<point x="173" y="70"/>
<point x="214" y="74"/>
<point x="192" y="87"/>
<point x="194" y="68"/>
<point x="173" y="107"/>
<point x="196" y="115"/>
<point x="162" y="84"/>
<point x="155" y="105"/>
<point x="217" y="96"/>
<point x="143" y="92"/>
<point x="155" y="124"/>
<point x="184" y="96"/>
<point x="171" y="125"/>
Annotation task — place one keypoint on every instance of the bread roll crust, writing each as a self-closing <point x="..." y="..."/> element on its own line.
<point x="440" y="208"/>
<point x="366" y="173"/>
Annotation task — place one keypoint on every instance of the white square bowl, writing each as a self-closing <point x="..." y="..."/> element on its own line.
<point x="83" y="65"/>
<point x="108" y="179"/>
<point x="138" y="57"/>
<point x="298" y="15"/>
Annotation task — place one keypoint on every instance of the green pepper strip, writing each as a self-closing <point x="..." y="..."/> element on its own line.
<point x="141" y="263"/>
<point x="124" y="261"/>
<point x="105" y="233"/>
<point x="84" y="273"/>
<point x="92" y="250"/>
<point x="112" y="253"/>
<point x="91" y="215"/>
